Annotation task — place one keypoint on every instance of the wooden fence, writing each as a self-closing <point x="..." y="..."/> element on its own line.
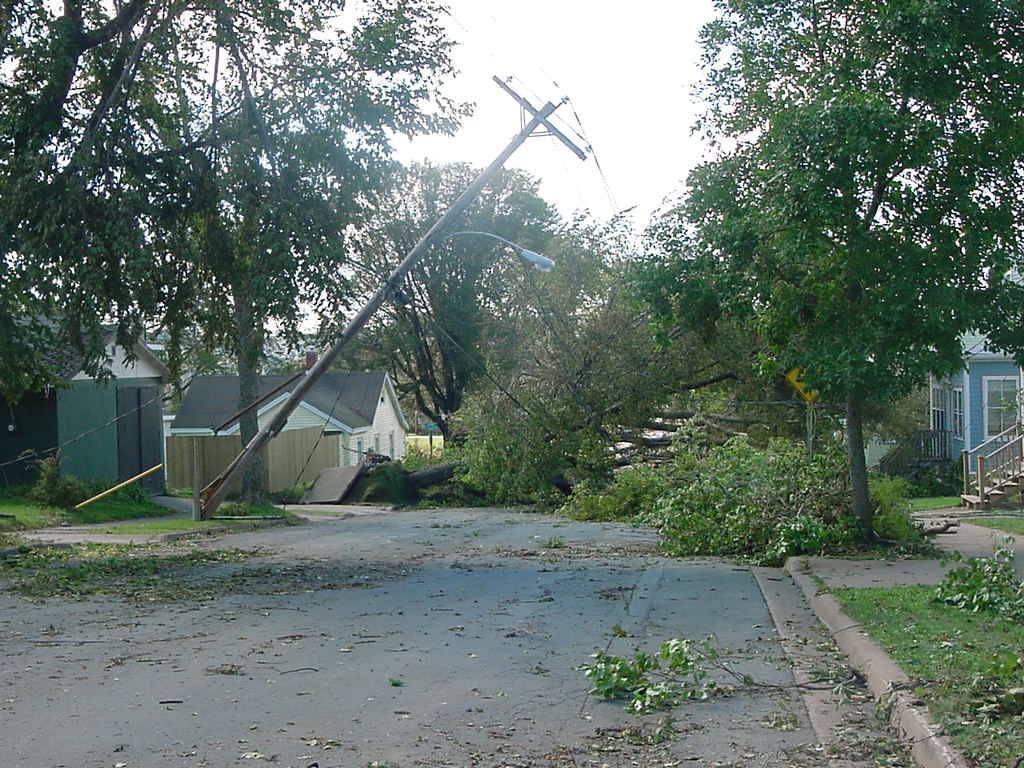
<point x="284" y="458"/>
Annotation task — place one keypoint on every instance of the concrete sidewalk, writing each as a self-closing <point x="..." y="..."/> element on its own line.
<point x="969" y="540"/>
<point x="816" y="576"/>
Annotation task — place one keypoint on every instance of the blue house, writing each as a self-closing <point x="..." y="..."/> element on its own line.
<point x="975" y="415"/>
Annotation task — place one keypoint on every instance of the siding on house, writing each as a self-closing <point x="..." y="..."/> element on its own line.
<point x="301" y="418"/>
<point x="388" y="427"/>
<point x="82" y="407"/>
<point x="979" y="369"/>
<point x="145" y="366"/>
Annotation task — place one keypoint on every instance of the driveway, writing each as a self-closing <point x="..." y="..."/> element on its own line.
<point x="429" y="638"/>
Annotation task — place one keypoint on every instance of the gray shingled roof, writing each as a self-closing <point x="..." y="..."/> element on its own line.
<point x="350" y="397"/>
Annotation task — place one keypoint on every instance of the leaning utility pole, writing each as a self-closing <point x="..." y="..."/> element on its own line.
<point x="213" y="494"/>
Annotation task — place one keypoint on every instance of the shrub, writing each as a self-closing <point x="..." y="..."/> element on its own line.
<point x="634" y="490"/>
<point x="452" y="493"/>
<point x="892" y="518"/>
<point x="290" y="495"/>
<point x="514" y="458"/>
<point x="768" y="503"/>
<point x="944" y="479"/>
<point x="55" y="490"/>
<point x="806" y="535"/>
<point x="134" y="492"/>
<point x="985" y="584"/>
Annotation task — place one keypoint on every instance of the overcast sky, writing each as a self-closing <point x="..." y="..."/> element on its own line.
<point x="629" y="71"/>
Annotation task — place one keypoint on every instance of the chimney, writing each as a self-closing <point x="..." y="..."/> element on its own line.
<point x="311" y="358"/>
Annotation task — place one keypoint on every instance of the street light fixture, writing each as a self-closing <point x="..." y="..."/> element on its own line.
<point x="539" y="262"/>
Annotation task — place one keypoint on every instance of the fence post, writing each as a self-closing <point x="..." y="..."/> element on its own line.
<point x="197" y="483"/>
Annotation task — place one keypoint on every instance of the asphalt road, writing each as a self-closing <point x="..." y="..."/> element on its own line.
<point x="447" y="638"/>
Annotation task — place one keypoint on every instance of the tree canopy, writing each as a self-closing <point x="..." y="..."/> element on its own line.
<point x="142" y="146"/>
<point x="860" y="212"/>
<point x="459" y="305"/>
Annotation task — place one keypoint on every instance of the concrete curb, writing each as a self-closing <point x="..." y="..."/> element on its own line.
<point x="887" y="682"/>
<point x="822" y="711"/>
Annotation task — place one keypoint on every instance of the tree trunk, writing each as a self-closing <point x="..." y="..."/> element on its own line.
<point x="858" y="465"/>
<point x="250" y="350"/>
<point x="423" y="478"/>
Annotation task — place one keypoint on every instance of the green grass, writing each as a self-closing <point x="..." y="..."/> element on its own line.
<point x="114" y="509"/>
<point x="933" y="502"/>
<point x="957" y="660"/>
<point x="174" y="525"/>
<point x="27" y="515"/>
<point x="1008" y="524"/>
<point x="31" y="515"/>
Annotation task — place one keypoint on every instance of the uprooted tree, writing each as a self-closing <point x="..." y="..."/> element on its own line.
<point x="587" y="378"/>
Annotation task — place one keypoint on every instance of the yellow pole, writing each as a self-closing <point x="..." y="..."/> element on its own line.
<point x="119" y="486"/>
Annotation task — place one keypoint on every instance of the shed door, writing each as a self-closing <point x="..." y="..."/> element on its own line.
<point x="139" y="432"/>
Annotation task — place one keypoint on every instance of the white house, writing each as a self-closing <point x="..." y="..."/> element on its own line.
<point x="361" y="407"/>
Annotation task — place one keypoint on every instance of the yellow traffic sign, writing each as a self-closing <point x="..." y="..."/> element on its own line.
<point x="795" y="377"/>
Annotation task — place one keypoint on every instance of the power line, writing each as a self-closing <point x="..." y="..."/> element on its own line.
<point x="593" y="153"/>
<point x="30" y="453"/>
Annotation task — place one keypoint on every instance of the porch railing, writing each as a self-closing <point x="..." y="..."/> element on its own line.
<point x="924" y="446"/>
<point x="995" y="461"/>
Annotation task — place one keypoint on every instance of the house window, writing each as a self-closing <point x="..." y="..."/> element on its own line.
<point x="391" y="444"/>
<point x="359" y="450"/>
<point x="938" y="409"/>
<point x="958" y="412"/>
<point x="1000" y="404"/>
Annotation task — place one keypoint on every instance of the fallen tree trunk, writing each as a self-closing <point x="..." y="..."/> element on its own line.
<point x="676" y="415"/>
<point x="424" y="478"/>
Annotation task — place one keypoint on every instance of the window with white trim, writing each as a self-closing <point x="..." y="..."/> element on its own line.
<point x="958" y="412"/>
<point x="939" y="409"/>
<point x="1000" y="404"/>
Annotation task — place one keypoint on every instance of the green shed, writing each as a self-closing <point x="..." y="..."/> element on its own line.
<point x="106" y="431"/>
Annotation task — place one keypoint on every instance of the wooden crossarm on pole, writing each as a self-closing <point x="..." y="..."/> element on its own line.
<point x="534" y="112"/>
